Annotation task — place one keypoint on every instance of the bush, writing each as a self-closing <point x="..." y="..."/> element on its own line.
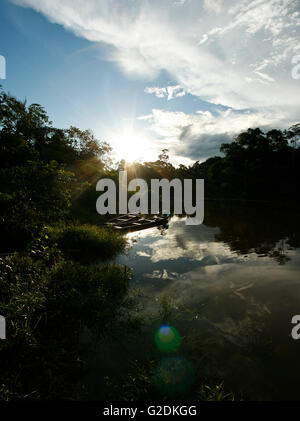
<point x="31" y="195"/>
<point x="87" y="242"/>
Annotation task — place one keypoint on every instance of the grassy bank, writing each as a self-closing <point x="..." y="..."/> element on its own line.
<point x="86" y="242"/>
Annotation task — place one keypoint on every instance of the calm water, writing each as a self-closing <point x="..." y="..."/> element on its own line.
<point x="231" y="286"/>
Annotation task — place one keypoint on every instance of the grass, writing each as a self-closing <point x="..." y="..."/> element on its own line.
<point x="140" y="385"/>
<point x="87" y="242"/>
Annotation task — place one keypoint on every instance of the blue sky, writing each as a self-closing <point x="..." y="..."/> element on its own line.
<point x="144" y="75"/>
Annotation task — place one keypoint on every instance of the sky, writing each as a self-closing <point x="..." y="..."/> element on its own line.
<point x="144" y="75"/>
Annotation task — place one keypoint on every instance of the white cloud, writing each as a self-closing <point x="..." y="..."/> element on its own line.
<point x="147" y="37"/>
<point x="180" y="2"/>
<point x="171" y="123"/>
<point x="169" y="92"/>
<point x="213" y="5"/>
<point x="158" y="92"/>
<point x="199" y="136"/>
<point x="145" y="117"/>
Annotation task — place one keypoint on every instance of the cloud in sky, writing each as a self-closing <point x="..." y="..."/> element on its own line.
<point x="213" y="5"/>
<point x="237" y="53"/>
<point x="246" y="40"/>
<point x="199" y="136"/>
<point x="169" y="92"/>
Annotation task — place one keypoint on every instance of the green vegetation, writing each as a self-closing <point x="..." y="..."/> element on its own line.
<point x="140" y="385"/>
<point x="86" y="242"/>
<point x="47" y="301"/>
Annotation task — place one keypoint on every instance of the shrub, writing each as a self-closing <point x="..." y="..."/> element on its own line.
<point x="87" y="242"/>
<point x="45" y="306"/>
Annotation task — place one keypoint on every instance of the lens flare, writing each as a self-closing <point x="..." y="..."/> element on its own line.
<point x="167" y="339"/>
<point x="174" y="375"/>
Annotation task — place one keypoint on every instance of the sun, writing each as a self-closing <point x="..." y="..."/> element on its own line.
<point x="130" y="145"/>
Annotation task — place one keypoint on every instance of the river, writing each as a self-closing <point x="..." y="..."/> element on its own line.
<point x="230" y="287"/>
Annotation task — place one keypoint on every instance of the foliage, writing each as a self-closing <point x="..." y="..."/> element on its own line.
<point x="46" y="301"/>
<point x="87" y="241"/>
<point x="43" y="169"/>
<point x="213" y="393"/>
<point x="139" y="385"/>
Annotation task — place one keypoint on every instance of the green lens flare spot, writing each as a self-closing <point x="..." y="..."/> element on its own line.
<point x="167" y="339"/>
<point x="174" y="376"/>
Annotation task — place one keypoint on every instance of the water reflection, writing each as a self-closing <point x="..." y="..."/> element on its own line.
<point x="234" y="282"/>
<point x="254" y="228"/>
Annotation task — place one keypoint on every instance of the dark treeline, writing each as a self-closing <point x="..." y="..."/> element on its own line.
<point x="256" y="165"/>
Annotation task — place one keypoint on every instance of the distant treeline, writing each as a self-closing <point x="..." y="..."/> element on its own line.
<point x="49" y="174"/>
<point x="256" y="166"/>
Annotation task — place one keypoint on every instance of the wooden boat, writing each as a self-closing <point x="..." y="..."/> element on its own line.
<point x="133" y="222"/>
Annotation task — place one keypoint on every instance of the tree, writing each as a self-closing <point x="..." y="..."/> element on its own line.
<point x="163" y="157"/>
<point x="293" y="134"/>
<point x="277" y="140"/>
